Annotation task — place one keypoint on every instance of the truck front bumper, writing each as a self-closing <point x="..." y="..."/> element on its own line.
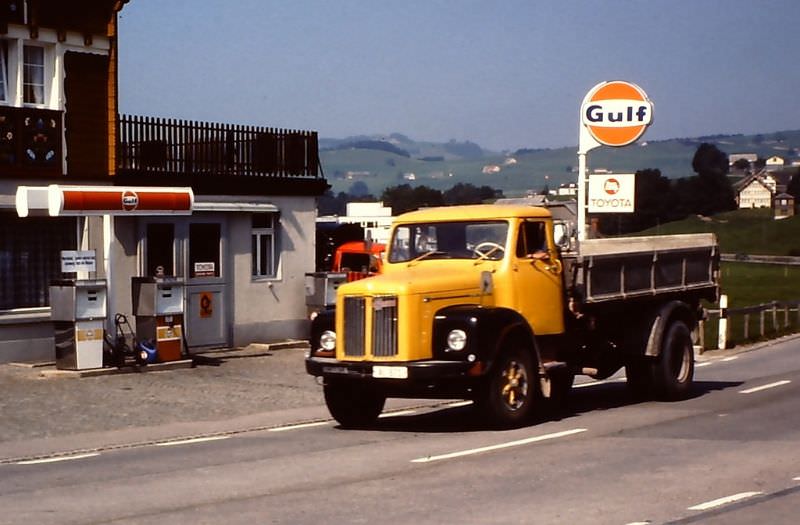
<point x="411" y="371"/>
<point x="423" y="379"/>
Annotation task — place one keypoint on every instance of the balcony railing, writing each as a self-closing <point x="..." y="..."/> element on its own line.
<point x="156" y="146"/>
<point x="30" y="142"/>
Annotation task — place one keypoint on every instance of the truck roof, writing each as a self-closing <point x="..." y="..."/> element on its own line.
<point x="472" y="212"/>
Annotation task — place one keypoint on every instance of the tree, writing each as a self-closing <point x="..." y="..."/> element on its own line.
<point x="712" y="192"/>
<point x="655" y="204"/>
<point x="330" y="204"/>
<point x="358" y="189"/>
<point x="742" y="164"/>
<point x="469" y="194"/>
<point x="404" y="198"/>
<point x="793" y="188"/>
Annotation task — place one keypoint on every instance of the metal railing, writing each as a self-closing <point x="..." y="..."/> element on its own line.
<point x="727" y="327"/>
<point x="180" y="147"/>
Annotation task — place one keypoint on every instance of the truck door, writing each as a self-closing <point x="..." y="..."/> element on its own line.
<point x="537" y="270"/>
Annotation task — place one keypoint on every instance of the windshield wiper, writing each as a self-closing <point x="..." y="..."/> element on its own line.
<point x="425" y="256"/>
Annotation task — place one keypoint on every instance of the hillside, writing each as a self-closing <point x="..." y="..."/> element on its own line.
<point x="752" y="232"/>
<point x="442" y="165"/>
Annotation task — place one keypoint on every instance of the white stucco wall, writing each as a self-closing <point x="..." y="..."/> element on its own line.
<point x="268" y="310"/>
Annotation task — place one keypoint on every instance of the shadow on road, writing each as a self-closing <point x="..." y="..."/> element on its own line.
<point x="603" y="396"/>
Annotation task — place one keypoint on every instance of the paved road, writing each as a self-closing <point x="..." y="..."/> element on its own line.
<point x="728" y="455"/>
<point x="222" y="386"/>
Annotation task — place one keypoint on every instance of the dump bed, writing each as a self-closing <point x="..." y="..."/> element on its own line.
<point x="625" y="267"/>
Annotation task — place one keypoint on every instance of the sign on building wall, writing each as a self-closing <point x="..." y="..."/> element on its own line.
<point x="78" y="261"/>
<point x="613" y="193"/>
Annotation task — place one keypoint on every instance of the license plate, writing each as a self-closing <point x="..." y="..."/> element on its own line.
<point x="390" y="372"/>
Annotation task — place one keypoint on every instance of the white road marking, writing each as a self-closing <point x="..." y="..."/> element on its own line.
<point x="191" y="441"/>
<point x="765" y="387"/>
<point x="301" y="425"/>
<point x="639" y="523"/>
<point x="724" y="501"/>
<point x="796" y="479"/>
<point x="601" y="382"/>
<point x="517" y="443"/>
<point x="704" y="363"/>
<point x="458" y="404"/>
<point x="731" y="358"/>
<point x="54" y="460"/>
<point x="398" y="413"/>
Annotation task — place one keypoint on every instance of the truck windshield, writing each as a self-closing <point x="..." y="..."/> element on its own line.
<point x="449" y="240"/>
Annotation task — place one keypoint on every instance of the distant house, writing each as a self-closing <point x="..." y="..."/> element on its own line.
<point x="568" y="189"/>
<point x="775" y="162"/>
<point x="754" y="192"/>
<point x="784" y="205"/>
<point x="735" y="157"/>
<point x="764" y="189"/>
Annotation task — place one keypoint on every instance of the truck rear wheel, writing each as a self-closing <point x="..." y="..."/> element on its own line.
<point x="353" y="405"/>
<point x="674" y="369"/>
<point x="511" y="392"/>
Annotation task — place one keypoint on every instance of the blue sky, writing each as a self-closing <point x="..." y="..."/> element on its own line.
<point x="504" y="74"/>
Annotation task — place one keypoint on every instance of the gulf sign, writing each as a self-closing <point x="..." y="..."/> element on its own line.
<point x="612" y="193"/>
<point x="616" y="113"/>
<point x="60" y="200"/>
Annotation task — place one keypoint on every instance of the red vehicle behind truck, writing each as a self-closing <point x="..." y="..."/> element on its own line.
<point x="358" y="259"/>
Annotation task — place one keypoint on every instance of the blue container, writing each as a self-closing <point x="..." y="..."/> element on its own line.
<point x="147" y="352"/>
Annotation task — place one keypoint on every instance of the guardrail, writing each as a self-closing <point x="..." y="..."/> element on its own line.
<point x="761" y="259"/>
<point x="731" y="326"/>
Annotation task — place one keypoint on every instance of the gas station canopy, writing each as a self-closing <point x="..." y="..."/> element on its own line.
<point x="57" y="200"/>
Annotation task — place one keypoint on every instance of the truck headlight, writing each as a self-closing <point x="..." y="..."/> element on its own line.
<point x="327" y="341"/>
<point x="456" y="340"/>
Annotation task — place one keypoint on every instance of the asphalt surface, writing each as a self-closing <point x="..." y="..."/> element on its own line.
<point x="226" y="392"/>
<point x="220" y="386"/>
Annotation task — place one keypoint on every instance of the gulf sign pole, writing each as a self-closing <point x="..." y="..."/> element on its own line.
<point x="614" y="113"/>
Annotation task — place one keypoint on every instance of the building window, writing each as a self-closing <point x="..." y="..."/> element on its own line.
<point x="265" y="245"/>
<point x="160" y="250"/>
<point x="33" y="75"/>
<point x="30" y="257"/>
<point x="204" y="249"/>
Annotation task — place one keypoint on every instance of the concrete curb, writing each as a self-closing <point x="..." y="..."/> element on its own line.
<point x="95" y="372"/>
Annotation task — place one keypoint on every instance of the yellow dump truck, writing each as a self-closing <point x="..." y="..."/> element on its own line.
<point x="499" y="304"/>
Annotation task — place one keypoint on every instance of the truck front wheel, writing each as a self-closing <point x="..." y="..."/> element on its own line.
<point x="510" y="394"/>
<point x="674" y="369"/>
<point x="353" y="405"/>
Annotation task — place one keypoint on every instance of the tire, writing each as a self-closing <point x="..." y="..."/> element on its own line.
<point x="353" y="405"/>
<point x="511" y="392"/>
<point x="674" y="369"/>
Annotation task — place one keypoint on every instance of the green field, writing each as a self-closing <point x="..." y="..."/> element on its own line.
<point x="748" y="284"/>
<point x="752" y="232"/>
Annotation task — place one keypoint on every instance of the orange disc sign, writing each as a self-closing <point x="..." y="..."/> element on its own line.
<point x="616" y="113"/>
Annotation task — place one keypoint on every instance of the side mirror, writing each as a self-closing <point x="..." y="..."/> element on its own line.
<point x="561" y="235"/>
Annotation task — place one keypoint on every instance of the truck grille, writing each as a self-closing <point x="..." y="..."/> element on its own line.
<point x="383" y="329"/>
